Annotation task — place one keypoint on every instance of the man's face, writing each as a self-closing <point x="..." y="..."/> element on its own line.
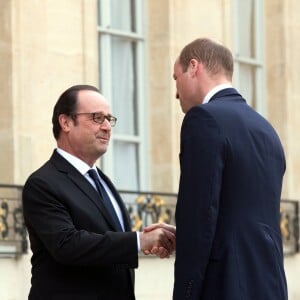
<point x="87" y="139"/>
<point x="186" y="86"/>
<point x="182" y="86"/>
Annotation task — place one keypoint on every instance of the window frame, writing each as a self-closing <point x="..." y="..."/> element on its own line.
<point x="105" y="34"/>
<point x="257" y="62"/>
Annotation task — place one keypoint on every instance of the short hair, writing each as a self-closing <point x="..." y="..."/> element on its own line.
<point x="214" y="56"/>
<point x="67" y="104"/>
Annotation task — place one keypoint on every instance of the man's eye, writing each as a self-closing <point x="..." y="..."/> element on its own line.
<point x="98" y="118"/>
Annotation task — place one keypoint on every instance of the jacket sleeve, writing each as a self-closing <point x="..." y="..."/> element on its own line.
<point x="202" y="161"/>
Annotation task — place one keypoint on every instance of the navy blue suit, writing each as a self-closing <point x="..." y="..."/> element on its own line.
<point x="229" y="244"/>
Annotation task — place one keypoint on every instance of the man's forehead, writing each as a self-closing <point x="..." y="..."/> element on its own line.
<point x="88" y="93"/>
<point x="92" y="99"/>
<point x="177" y="69"/>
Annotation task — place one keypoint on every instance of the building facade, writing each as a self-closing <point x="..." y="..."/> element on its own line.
<point x="127" y="48"/>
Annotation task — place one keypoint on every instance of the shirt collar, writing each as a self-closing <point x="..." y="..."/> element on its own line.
<point x="215" y="90"/>
<point x="77" y="163"/>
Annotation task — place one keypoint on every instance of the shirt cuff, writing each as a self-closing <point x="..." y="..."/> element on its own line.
<point x="138" y="241"/>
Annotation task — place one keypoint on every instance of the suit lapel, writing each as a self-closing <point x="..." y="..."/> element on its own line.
<point x="81" y="182"/>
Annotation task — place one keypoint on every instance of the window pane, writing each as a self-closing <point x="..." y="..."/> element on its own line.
<point x="123" y="85"/>
<point x="247" y="83"/>
<point x="246" y="27"/>
<point x="122" y="15"/>
<point x="120" y="61"/>
<point x="126" y="168"/>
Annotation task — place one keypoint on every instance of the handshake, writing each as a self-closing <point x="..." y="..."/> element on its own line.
<point x="158" y="239"/>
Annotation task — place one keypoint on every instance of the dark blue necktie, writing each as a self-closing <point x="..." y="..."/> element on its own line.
<point x="107" y="202"/>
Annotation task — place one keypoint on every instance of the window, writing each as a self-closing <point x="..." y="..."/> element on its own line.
<point x="248" y="51"/>
<point x="121" y="73"/>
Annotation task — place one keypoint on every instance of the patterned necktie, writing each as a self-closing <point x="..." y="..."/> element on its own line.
<point x="107" y="202"/>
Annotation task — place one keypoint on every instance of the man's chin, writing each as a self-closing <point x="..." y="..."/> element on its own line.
<point x="102" y="150"/>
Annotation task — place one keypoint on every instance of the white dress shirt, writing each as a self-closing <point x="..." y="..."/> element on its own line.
<point x="215" y="90"/>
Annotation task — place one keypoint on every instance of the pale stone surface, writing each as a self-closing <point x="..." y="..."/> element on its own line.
<point x="6" y="107"/>
<point x="292" y="268"/>
<point x="48" y="45"/>
<point x="154" y="278"/>
<point x="14" y="278"/>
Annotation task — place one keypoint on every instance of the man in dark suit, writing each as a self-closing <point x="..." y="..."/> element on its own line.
<point x="232" y="163"/>
<point x="83" y="247"/>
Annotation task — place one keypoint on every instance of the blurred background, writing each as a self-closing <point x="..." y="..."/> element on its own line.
<point x="127" y="48"/>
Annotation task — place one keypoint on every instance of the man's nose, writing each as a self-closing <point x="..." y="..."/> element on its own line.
<point x="106" y="125"/>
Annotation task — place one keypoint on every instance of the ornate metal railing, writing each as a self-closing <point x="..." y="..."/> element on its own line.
<point x="144" y="208"/>
<point x="13" y="236"/>
<point x="289" y="226"/>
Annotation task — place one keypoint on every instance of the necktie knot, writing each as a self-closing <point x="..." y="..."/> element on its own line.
<point x="93" y="174"/>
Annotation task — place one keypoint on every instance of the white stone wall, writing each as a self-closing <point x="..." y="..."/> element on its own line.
<point x="154" y="278"/>
<point x="48" y="45"/>
<point x="14" y="278"/>
<point x="292" y="269"/>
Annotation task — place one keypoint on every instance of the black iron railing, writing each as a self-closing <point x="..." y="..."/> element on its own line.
<point x="144" y="208"/>
<point x="13" y="235"/>
<point x="289" y="226"/>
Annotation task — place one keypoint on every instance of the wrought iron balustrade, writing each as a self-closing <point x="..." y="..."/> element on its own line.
<point x="13" y="235"/>
<point x="289" y="225"/>
<point x="144" y="208"/>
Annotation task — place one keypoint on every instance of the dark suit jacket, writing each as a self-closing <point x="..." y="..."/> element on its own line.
<point x="77" y="254"/>
<point x="229" y="243"/>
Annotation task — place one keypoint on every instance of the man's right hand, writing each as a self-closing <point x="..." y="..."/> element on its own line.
<point x="159" y="239"/>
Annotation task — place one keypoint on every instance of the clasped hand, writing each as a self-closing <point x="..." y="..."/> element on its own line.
<point x="158" y="239"/>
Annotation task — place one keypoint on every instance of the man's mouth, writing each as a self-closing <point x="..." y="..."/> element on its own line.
<point x="102" y="138"/>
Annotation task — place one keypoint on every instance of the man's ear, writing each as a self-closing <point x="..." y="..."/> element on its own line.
<point x="64" y="122"/>
<point x="193" y="67"/>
